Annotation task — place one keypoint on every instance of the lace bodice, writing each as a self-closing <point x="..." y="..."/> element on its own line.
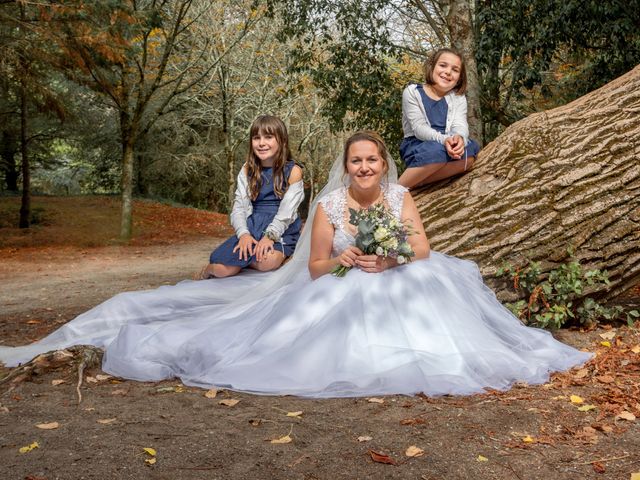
<point x="335" y="206"/>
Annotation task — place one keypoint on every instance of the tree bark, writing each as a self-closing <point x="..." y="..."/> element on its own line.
<point x="460" y="23"/>
<point x="9" y="150"/>
<point x="25" y="206"/>
<point x="568" y="177"/>
<point x="127" y="190"/>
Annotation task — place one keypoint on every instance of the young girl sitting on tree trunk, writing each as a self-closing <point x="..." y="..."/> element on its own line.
<point x="436" y="142"/>
<point x="269" y="190"/>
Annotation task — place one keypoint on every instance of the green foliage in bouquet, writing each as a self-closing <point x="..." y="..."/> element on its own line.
<point x="380" y="233"/>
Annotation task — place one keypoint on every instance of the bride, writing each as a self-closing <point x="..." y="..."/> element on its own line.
<point x="429" y="326"/>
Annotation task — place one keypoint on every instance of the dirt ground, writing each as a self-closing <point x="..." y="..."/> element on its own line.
<point x="529" y="432"/>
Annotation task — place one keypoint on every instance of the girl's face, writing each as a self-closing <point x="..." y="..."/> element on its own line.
<point x="446" y="72"/>
<point x="365" y="166"/>
<point x="265" y="147"/>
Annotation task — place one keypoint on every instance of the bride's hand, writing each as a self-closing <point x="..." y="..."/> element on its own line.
<point x="245" y="247"/>
<point x="374" y="263"/>
<point x="349" y="255"/>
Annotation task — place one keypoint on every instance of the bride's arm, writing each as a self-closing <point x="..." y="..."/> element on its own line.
<point x="418" y="241"/>
<point x="320" y="260"/>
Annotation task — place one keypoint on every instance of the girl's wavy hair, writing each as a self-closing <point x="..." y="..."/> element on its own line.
<point x="269" y="125"/>
<point x="430" y="63"/>
<point x="369" y="136"/>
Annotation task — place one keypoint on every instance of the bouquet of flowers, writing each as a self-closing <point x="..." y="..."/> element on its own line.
<point x="379" y="233"/>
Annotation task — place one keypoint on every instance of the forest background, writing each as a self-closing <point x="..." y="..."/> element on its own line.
<point x="154" y="98"/>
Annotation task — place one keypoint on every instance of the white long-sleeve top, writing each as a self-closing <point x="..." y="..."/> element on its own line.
<point x="415" y="122"/>
<point x="287" y="211"/>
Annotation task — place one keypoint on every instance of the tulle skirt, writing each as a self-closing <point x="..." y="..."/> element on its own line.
<point x="431" y="326"/>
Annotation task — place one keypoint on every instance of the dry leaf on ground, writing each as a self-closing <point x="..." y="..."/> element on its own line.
<point x="630" y="417"/>
<point x="106" y="421"/>
<point x="101" y="377"/>
<point x="381" y="458"/>
<point x="482" y="458"/>
<point x="57" y="382"/>
<point x="375" y="400"/>
<point x="608" y="335"/>
<point x="48" y="426"/>
<point x="211" y="393"/>
<point x="576" y="399"/>
<point x="294" y="414"/>
<point x="364" y="438"/>
<point x="229" y="402"/>
<point x="28" y="448"/>
<point x="414" y="451"/>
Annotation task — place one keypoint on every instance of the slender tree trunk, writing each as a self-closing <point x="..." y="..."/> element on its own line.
<point x="9" y="150"/>
<point x="127" y="188"/>
<point x="460" y="22"/>
<point x="25" y="207"/>
<point x="568" y="177"/>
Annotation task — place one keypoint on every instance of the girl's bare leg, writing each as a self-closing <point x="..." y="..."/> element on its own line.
<point x="433" y="172"/>
<point x="274" y="260"/>
<point x="217" y="270"/>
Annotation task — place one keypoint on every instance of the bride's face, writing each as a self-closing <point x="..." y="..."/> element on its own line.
<point x="365" y="166"/>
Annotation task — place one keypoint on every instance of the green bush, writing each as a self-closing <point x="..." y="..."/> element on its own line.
<point x="559" y="299"/>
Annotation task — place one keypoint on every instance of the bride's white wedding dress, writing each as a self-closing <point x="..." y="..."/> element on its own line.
<point x="430" y="326"/>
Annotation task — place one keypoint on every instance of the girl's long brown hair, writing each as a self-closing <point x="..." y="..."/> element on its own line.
<point x="429" y="65"/>
<point x="270" y="125"/>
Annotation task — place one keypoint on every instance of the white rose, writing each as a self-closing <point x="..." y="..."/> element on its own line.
<point x="400" y="260"/>
<point x="379" y="251"/>
<point x="380" y="234"/>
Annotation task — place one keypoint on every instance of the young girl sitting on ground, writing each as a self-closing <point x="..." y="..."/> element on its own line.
<point x="269" y="190"/>
<point x="436" y="142"/>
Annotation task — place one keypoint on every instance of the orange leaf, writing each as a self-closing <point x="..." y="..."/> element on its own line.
<point x="382" y="458"/>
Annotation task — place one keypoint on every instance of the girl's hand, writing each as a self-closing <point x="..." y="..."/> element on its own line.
<point x="349" y="256"/>
<point x="454" y="146"/>
<point x="375" y="263"/>
<point x="263" y="248"/>
<point x="245" y="247"/>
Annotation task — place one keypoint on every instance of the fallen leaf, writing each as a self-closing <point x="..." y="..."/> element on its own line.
<point x="382" y="458"/>
<point x="586" y="408"/>
<point x="630" y="417"/>
<point x="414" y="451"/>
<point x="119" y="391"/>
<point x="48" y="426"/>
<point x="583" y="372"/>
<point x="608" y="335"/>
<point x="605" y="344"/>
<point x="179" y="389"/>
<point x="576" y="399"/>
<point x="28" y="448"/>
<point x="4" y="410"/>
<point x="165" y="390"/>
<point x="286" y="439"/>
<point x="598" y="467"/>
<point x="55" y="383"/>
<point x="605" y="379"/>
<point x="101" y="377"/>
<point x="364" y="438"/>
<point x="559" y="397"/>
<point x="150" y="461"/>
<point x="375" y="400"/>
<point x="90" y="379"/>
<point x="482" y="458"/>
<point x="294" y="414"/>
<point x="528" y="439"/>
<point x="106" y="421"/>
<point x="635" y="476"/>
<point x="636" y="349"/>
<point x="150" y="451"/>
<point x="211" y="393"/>
<point x="229" y="402"/>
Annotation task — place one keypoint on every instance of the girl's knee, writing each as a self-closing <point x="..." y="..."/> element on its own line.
<point x="221" y="271"/>
<point x="273" y="261"/>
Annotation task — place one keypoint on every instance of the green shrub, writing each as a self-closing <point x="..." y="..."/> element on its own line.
<point x="559" y="299"/>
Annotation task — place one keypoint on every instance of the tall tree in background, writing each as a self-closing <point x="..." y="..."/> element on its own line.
<point x="28" y="93"/>
<point x="142" y="56"/>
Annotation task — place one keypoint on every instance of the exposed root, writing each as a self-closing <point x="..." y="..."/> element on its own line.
<point x="81" y="356"/>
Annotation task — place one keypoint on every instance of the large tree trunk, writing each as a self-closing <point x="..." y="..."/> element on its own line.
<point x="568" y="177"/>
<point x="460" y="23"/>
